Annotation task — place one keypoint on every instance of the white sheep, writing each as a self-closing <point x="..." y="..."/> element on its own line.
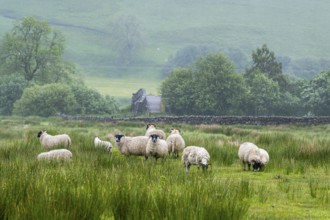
<point x="50" y="141"/>
<point x="194" y="155"/>
<point x="58" y="154"/>
<point x="132" y="145"/>
<point x="249" y="153"/>
<point x="175" y="142"/>
<point x="264" y="157"/>
<point x="104" y="144"/>
<point x="156" y="147"/>
<point x="151" y="129"/>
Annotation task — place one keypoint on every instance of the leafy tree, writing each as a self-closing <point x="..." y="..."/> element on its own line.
<point x="178" y="92"/>
<point x="316" y="94"/>
<point x="127" y="40"/>
<point x="46" y="100"/>
<point x="11" y="89"/>
<point x="263" y="96"/>
<point x="91" y="102"/>
<point x="211" y="87"/>
<point x="35" y="51"/>
<point x="264" y="61"/>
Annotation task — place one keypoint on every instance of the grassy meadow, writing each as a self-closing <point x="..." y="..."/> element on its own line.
<point x="98" y="185"/>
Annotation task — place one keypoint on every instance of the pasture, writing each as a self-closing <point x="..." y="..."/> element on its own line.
<point x="96" y="185"/>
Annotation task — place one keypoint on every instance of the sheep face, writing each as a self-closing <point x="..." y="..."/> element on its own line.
<point x="40" y="133"/>
<point x="118" y="137"/>
<point x="175" y="131"/>
<point x="257" y="166"/>
<point x="154" y="137"/>
<point x="150" y="126"/>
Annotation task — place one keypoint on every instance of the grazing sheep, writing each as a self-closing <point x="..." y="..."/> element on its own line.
<point x="193" y="155"/>
<point x="50" y="141"/>
<point x="58" y="154"/>
<point x="156" y="147"/>
<point x="151" y="129"/>
<point x="104" y="144"/>
<point x="132" y="145"/>
<point x="264" y="158"/>
<point x="175" y="142"/>
<point x="249" y="153"/>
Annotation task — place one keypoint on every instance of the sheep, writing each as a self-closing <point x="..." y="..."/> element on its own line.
<point x="50" y="141"/>
<point x="156" y="147"/>
<point x="151" y="129"/>
<point x="175" y="142"/>
<point x="194" y="155"/>
<point x="58" y="154"/>
<point x="132" y="145"/>
<point x="250" y="153"/>
<point x="104" y="144"/>
<point x="264" y="158"/>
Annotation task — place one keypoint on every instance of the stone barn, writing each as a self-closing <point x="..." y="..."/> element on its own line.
<point x="143" y="103"/>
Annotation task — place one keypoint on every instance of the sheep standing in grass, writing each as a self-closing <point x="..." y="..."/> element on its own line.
<point x="132" y="145"/>
<point x="104" y="144"/>
<point x="264" y="158"/>
<point x="175" y="142"/>
<point x="156" y="147"/>
<point x="249" y="153"/>
<point x="151" y="129"/>
<point x="58" y="154"/>
<point x="50" y="141"/>
<point x="193" y="155"/>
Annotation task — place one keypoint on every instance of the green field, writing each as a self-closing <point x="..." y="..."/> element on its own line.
<point x="96" y="185"/>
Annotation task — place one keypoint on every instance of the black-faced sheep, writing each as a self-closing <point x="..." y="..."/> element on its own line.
<point x="50" y="141"/>
<point x="156" y="147"/>
<point x="132" y="145"/>
<point x="250" y="153"/>
<point x="194" y="155"/>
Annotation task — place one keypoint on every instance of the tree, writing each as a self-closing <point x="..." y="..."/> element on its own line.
<point x="127" y="40"/>
<point x="264" y="95"/>
<point x="34" y="50"/>
<point x="211" y="87"/>
<point x="316" y="94"/>
<point x="264" y="61"/>
<point x="91" y="102"/>
<point x="11" y="89"/>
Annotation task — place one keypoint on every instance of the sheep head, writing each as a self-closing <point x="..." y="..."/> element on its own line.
<point x="150" y="126"/>
<point x="118" y="137"/>
<point x="154" y="137"/>
<point x="40" y="133"/>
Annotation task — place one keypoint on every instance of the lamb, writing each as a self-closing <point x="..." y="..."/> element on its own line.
<point x="175" y="142"/>
<point x="58" y="154"/>
<point x="132" y="145"/>
<point x="151" y="129"/>
<point x="251" y="154"/>
<point x="194" y="155"/>
<point x="50" y="141"/>
<point x="104" y="144"/>
<point x="156" y="147"/>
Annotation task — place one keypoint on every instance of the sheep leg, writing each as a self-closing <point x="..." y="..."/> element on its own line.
<point x="249" y="166"/>
<point x="187" y="167"/>
<point x="243" y="165"/>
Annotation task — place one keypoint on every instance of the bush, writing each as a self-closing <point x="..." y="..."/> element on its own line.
<point x="46" y="100"/>
<point x="11" y="89"/>
<point x="91" y="102"/>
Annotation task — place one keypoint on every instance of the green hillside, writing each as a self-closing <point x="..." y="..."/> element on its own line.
<point x="294" y="29"/>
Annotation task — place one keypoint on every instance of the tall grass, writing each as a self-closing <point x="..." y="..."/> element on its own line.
<point x="99" y="185"/>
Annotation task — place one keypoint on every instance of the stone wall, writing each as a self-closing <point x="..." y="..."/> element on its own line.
<point x="225" y="120"/>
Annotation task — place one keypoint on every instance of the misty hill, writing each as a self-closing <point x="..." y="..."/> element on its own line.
<point x="294" y="30"/>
